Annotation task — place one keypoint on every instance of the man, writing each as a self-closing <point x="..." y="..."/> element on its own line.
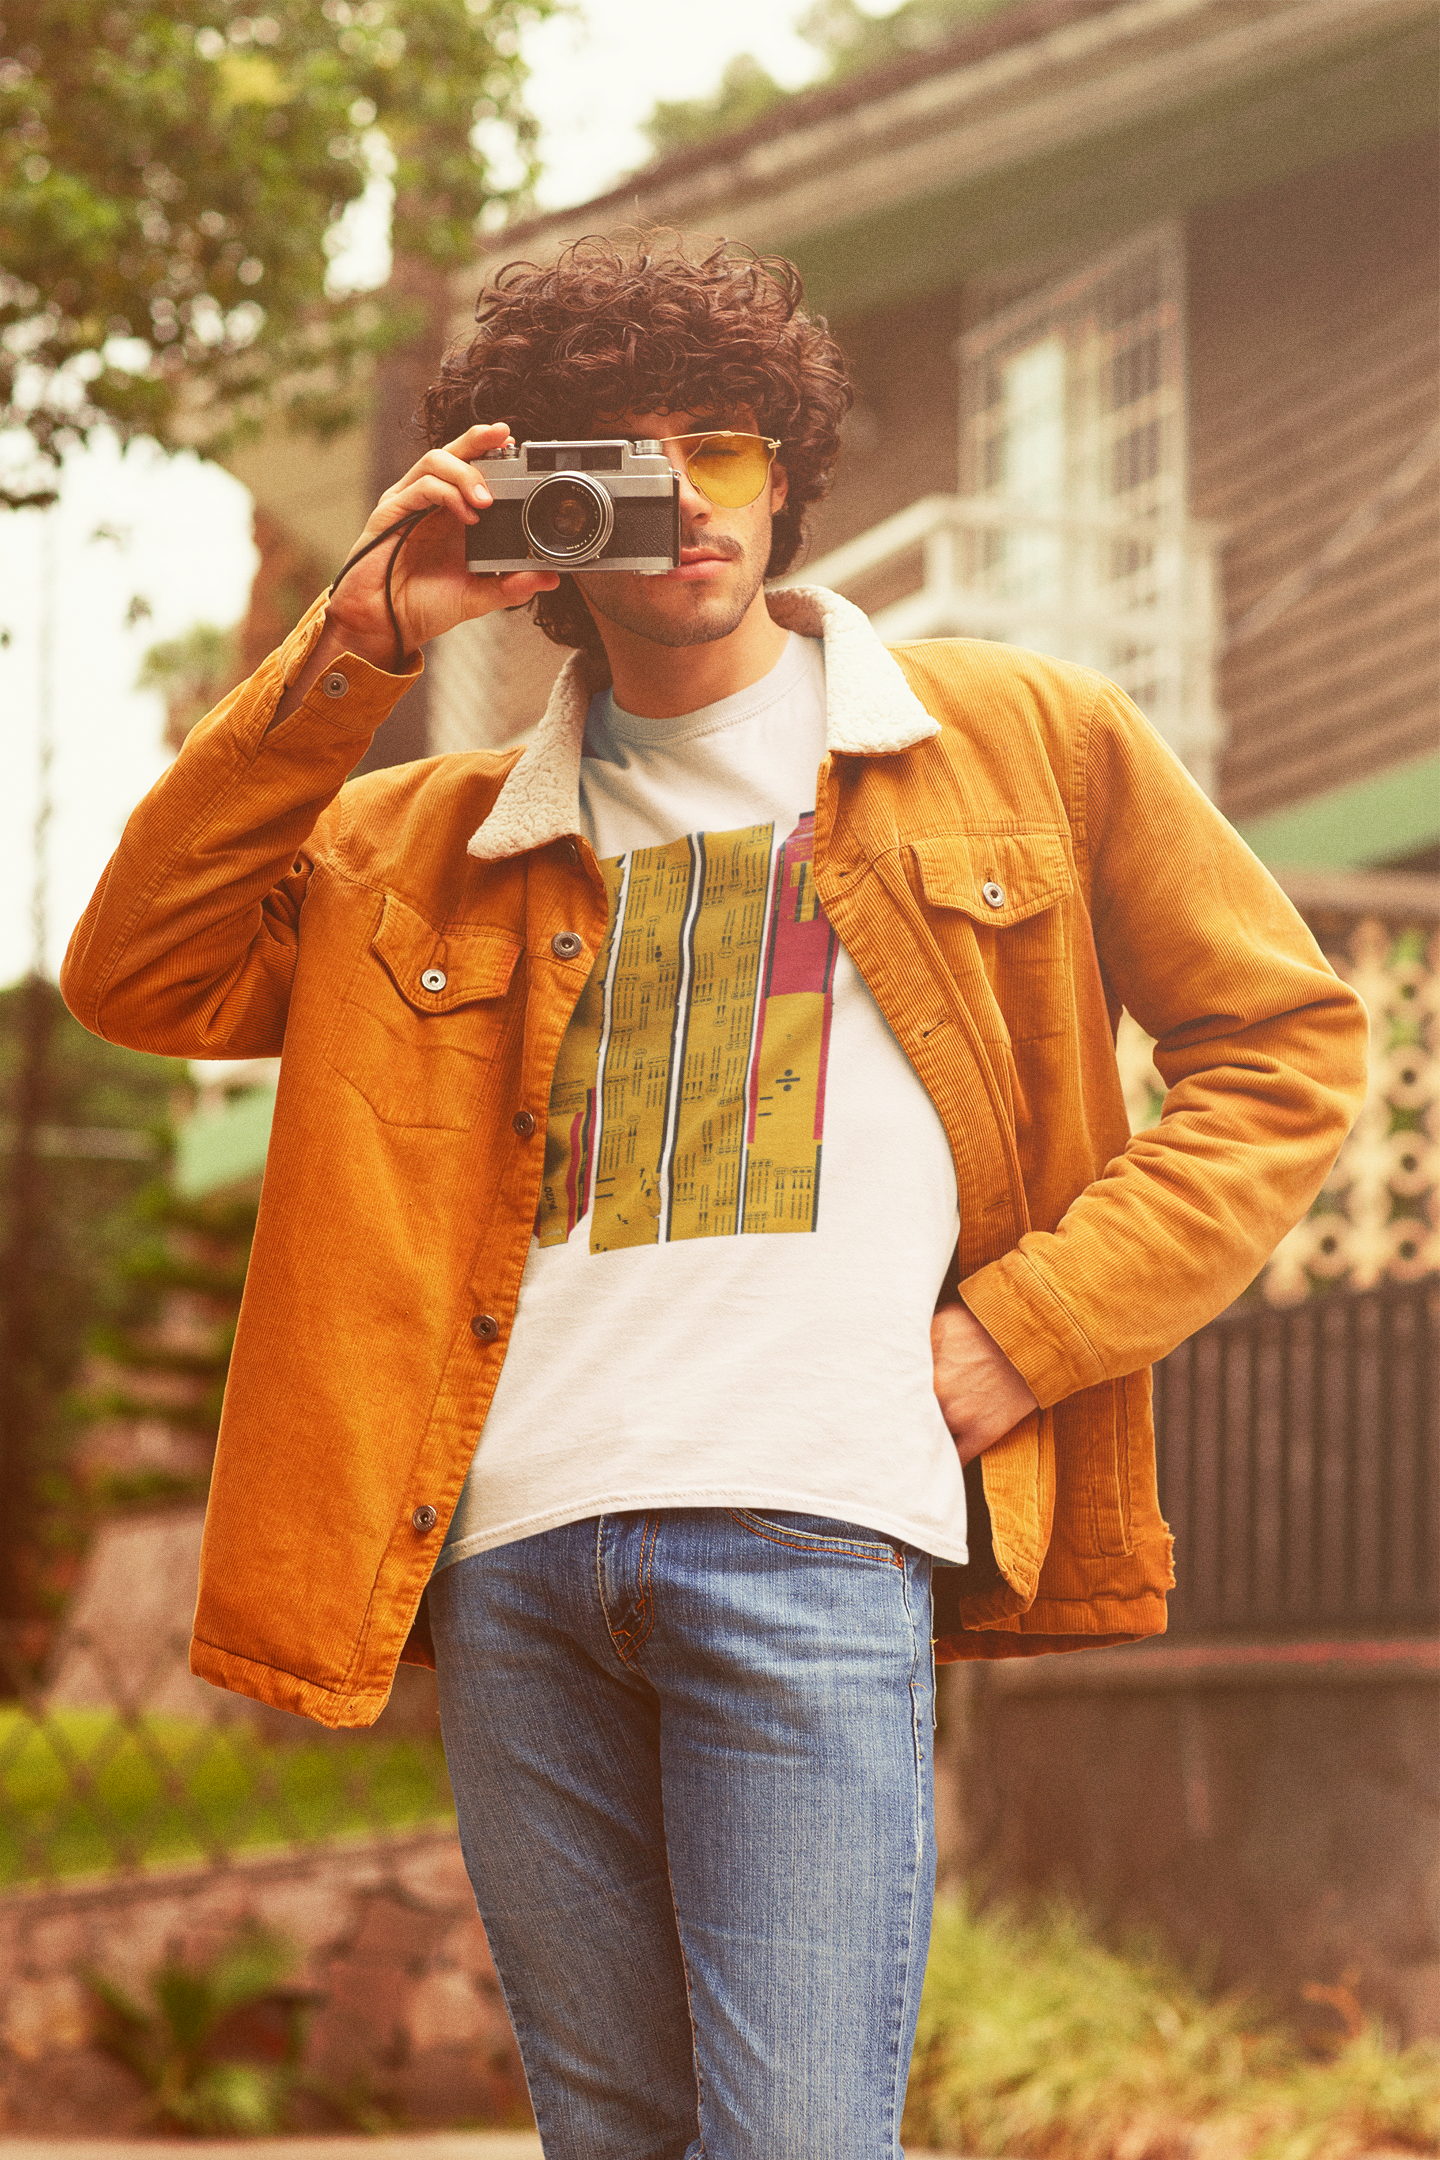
<point x="569" y="1037"/>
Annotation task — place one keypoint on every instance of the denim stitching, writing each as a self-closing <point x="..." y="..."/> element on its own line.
<point x="629" y="1641"/>
<point x="897" y="2098"/>
<point x="649" y="1547"/>
<point x="811" y="1541"/>
<point x="689" y="1998"/>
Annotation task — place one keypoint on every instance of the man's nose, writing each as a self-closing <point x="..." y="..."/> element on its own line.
<point x="694" y="508"/>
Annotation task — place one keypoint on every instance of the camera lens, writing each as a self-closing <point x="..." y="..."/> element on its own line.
<point x="567" y="518"/>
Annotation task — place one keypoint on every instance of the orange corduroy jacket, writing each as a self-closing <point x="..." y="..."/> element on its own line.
<point x="257" y="905"/>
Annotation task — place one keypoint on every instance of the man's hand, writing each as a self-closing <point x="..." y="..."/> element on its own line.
<point x="431" y="587"/>
<point x="981" y="1395"/>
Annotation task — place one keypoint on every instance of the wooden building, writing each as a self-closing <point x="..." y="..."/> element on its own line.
<point x="1140" y="302"/>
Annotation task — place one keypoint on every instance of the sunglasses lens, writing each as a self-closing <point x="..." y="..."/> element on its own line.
<point x="729" y="470"/>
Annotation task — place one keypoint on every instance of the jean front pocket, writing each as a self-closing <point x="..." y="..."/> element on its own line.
<point x="819" y="1534"/>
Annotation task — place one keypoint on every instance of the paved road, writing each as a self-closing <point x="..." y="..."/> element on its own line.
<point x="433" y="2145"/>
<point x="426" y="2145"/>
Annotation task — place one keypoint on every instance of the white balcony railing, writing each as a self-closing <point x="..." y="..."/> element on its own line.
<point x="1136" y="598"/>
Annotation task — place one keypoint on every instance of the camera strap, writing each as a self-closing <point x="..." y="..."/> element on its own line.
<point x="403" y="527"/>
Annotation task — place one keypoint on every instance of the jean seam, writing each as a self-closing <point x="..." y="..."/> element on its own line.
<point x="897" y="2097"/>
<point x="812" y="1542"/>
<point x="689" y="1994"/>
<point x="628" y="1642"/>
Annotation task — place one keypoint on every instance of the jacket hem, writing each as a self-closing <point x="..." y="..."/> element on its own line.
<point x="283" y="1690"/>
<point x="1054" y="1625"/>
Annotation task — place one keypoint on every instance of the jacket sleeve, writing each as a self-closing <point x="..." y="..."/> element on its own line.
<point x="188" y="944"/>
<point x="1263" y="1054"/>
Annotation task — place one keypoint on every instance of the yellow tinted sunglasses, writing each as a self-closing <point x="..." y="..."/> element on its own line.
<point x="725" y="465"/>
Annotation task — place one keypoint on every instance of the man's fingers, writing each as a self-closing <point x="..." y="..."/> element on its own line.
<point x="429" y="490"/>
<point x="452" y="463"/>
<point x="528" y="581"/>
<point x="512" y="587"/>
<point x="485" y="435"/>
<point x="444" y="465"/>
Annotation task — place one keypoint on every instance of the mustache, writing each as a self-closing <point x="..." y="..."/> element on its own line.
<point x="713" y="543"/>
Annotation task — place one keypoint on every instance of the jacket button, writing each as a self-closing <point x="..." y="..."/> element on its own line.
<point x="336" y="685"/>
<point x="424" y="1518"/>
<point x="572" y="852"/>
<point x="486" y="1326"/>
<point x="992" y="894"/>
<point x="523" y="1123"/>
<point x="433" y="979"/>
<point x="565" y="944"/>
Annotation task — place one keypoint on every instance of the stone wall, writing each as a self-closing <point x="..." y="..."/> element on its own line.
<point x="1271" y="1809"/>
<point x="407" y="2016"/>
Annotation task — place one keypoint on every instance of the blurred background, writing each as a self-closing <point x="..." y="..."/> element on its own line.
<point x="1140" y="302"/>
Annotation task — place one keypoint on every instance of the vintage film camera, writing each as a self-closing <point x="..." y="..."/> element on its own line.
<point x="604" y="505"/>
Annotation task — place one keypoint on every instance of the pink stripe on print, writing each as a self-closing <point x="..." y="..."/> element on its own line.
<point x="800" y="962"/>
<point x="577" y="1169"/>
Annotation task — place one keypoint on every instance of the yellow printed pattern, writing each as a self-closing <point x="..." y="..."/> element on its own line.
<point x="689" y="1096"/>
<point x="725" y="949"/>
<point x="639" y="1046"/>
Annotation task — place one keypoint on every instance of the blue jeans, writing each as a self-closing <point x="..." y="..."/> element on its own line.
<point x="691" y="1753"/>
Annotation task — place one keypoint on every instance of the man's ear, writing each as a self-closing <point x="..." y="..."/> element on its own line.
<point x="779" y="489"/>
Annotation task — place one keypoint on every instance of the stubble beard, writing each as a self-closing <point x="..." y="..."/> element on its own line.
<point x="623" y="600"/>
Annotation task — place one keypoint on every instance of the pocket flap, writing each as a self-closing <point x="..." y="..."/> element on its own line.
<point x="995" y="878"/>
<point x="436" y="970"/>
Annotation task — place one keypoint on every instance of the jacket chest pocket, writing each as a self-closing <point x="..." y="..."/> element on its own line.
<point x="997" y="902"/>
<point x="423" y="1018"/>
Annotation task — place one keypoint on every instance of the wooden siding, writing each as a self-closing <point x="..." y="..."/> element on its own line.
<point x="1313" y="364"/>
<point x="902" y="440"/>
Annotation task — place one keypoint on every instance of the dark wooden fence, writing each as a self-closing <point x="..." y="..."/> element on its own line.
<point x="1298" y="1466"/>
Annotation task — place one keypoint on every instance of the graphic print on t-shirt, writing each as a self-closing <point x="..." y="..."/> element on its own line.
<point x="689" y="1095"/>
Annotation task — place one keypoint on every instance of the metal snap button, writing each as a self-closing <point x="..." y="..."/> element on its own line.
<point x="992" y="894"/>
<point x="565" y="944"/>
<point x="424" y="1518"/>
<point x="336" y="685"/>
<point x="433" y="979"/>
<point x="486" y="1326"/>
<point x="572" y="853"/>
<point x="523" y="1123"/>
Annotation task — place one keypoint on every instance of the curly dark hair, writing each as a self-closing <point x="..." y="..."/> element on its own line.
<point x="650" y="322"/>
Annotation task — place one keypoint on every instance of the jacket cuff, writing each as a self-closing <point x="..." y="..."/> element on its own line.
<point x="355" y="693"/>
<point x="1047" y="1347"/>
<point x="369" y="695"/>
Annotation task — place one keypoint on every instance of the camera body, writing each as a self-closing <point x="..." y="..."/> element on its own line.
<point x="609" y="504"/>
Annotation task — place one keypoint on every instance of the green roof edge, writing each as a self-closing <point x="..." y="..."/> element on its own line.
<point x="1371" y="822"/>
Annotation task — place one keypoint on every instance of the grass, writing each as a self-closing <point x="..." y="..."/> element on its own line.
<point x="1037" y="2041"/>
<point x="83" y="1792"/>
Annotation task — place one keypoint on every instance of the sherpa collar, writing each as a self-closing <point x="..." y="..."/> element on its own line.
<point x="870" y="711"/>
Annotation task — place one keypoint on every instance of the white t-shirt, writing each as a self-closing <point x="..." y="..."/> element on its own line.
<point x="705" y="1320"/>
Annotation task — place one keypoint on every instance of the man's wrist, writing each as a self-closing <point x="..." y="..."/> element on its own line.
<point x="375" y="645"/>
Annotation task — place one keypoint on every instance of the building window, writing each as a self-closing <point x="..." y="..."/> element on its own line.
<point x="1070" y="531"/>
<point x="1073" y="475"/>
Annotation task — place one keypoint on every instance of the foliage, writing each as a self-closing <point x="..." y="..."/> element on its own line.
<point x="848" y="41"/>
<point x="173" y="176"/>
<point x="83" y="1790"/>
<point x="85" y="1221"/>
<point x="204" y="1249"/>
<point x="1036" y="2040"/>
<point x="192" y="673"/>
<point x="746" y="91"/>
<point x="183" y="2043"/>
